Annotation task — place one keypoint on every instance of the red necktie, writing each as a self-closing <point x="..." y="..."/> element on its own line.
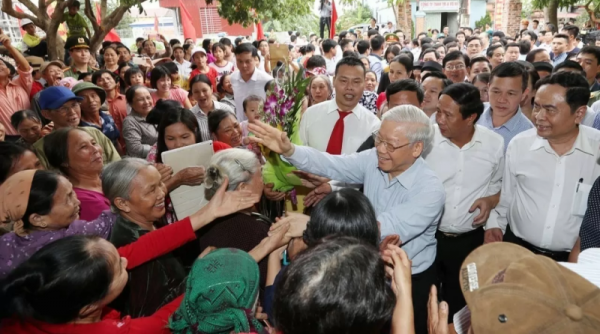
<point x="337" y="135"/>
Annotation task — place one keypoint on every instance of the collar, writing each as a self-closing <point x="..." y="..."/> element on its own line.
<point x="595" y="86"/>
<point x="333" y="107"/>
<point x="137" y="116"/>
<point x="582" y="143"/>
<point x="409" y="177"/>
<point x="118" y="97"/>
<point x="510" y="125"/>
<point x="254" y="77"/>
<point x="376" y="56"/>
<point x="477" y="138"/>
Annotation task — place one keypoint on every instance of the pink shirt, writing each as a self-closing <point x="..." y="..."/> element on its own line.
<point x="175" y="94"/>
<point x="92" y="203"/>
<point x="15" y="97"/>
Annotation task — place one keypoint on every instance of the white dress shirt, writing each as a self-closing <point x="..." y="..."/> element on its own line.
<point x="538" y="188"/>
<point x="468" y="173"/>
<point x="318" y="121"/>
<point x="588" y="118"/>
<point x="185" y="68"/>
<point x="330" y="64"/>
<point x="242" y="89"/>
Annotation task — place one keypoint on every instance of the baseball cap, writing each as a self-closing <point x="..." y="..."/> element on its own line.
<point x="54" y="97"/>
<point x="432" y="66"/>
<point x="80" y="87"/>
<point x="198" y="49"/>
<point x="35" y="62"/>
<point x="53" y="62"/>
<point x="511" y="290"/>
<point x="77" y="42"/>
<point x="25" y="22"/>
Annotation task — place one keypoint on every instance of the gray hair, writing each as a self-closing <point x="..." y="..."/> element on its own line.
<point x="419" y="127"/>
<point x="235" y="163"/>
<point x="118" y="176"/>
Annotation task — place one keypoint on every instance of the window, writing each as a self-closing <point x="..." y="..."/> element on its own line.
<point x="210" y="21"/>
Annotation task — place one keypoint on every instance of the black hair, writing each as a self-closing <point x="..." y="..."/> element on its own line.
<point x="75" y="4"/>
<point x="17" y="118"/>
<point x="226" y="41"/>
<point x="408" y="54"/>
<point x="436" y="74"/>
<point x="377" y="42"/>
<point x="591" y="50"/>
<point x="174" y="41"/>
<point x="563" y="36"/>
<point x="83" y="75"/>
<point x="451" y="45"/>
<point x="344" y="43"/>
<point x="467" y="97"/>
<point x="96" y="76"/>
<point x="352" y="295"/>
<point x="425" y="40"/>
<point x="237" y="41"/>
<point x="309" y="48"/>
<point x="490" y="50"/>
<point x="532" y="34"/>
<point x="363" y="46"/>
<point x="215" y="118"/>
<point x="253" y="98"/>
<point x="499" y="34"/>
<point x="460" y="33"/>
<point x="171" y="67"/>
<point x="219" y="84"/>
<point x="454" y="55"/>
<point x="480" y="59"/>
<point x="9" y="153"/>
<point x="216" y="46"/>
<point x="449" y="40"/>
<point x="404" y="61"/>
<point x="41" y="196"/>
<point x="200" y="78"/>
<point x="173" y="116"/>
<point x="511" y="69"/>
<point x="56" y="147"/>
<point x="542" y="66"/>
<point x="146" y="41"/>
<point x="315" y="61"/>
<point x="328" y="44"/>
<point x="350" y="61"/>
<point x="130" y="72"/>
<point x="569" y="64"/>
<point x="158" y="73"/>
<point x="578" y="89"/>
<point x="72" y="269"/>
<point x="551" y="26"/>
<point x="429" y="50"/>
<point x="139" y="39"/>
<point x="372" y="32"/>
<point x="244" y="48"/>
<point x="572" y="30"/>
<point x="130" y="94"/>
<point x="483" y="77"/>
<point x="469" y="29"/>
<point x="206" y="44"/>
<point x="161" y="108"/>
<point x="524" y="47"/>
<point x="472" y="38"/>
<point x="393" y="49"/>
<point x="293" y="38"/>
<point x="405" y="85"/>
<point x="187" y="47"/>
<point x="349" y="53"/>
<point x="346" y="212"/>
<point x="531" y="55"/>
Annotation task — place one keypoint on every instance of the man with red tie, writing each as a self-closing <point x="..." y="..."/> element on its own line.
<point x="341" y="125"/>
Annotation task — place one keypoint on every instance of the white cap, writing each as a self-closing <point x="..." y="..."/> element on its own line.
<point x="198" y="49"/>
<point x="25" y="22"/>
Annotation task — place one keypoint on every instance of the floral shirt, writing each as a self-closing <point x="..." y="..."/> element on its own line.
<point x="109" y="128"/>
<point x="368" y="100"/>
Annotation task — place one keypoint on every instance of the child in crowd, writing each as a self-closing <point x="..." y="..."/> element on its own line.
<point x="200" y="60"/>
<point x="253" y="105"/>
<point x="87" y="77"/>
<point x="221" y="65"/>
<point x="75" y="22"/>
<point x="36" y="45"/>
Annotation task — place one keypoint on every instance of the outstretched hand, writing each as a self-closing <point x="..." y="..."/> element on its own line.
<point x="271" y="137"/>
<point x="225" y="202"/>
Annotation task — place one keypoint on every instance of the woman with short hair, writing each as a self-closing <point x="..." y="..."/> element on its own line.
<point x="29" y="126"/>
<point x="139" y="135"/>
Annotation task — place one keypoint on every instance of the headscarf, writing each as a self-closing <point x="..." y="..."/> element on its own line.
<point x="14" y="198"/>
<point x="221" y="291"/>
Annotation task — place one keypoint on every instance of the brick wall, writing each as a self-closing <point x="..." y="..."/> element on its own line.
<point x="514" y="17"/>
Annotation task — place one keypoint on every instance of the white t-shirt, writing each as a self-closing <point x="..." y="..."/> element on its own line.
<point x="221" y="71"/>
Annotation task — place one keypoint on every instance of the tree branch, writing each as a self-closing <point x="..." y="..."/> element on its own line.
<point x="103" y="8"/>
<point x="90" y="15"/>
<point x="27" y="3"/>
<point x="10" y="10"/>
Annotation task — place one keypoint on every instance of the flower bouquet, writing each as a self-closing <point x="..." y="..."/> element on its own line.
<point x="282" y="110"/>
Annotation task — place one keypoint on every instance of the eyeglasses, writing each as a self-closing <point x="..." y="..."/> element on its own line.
<point x="455" y="67"/>
<point x="388" y="147"/>
<point x="242" y="166"/>
<point x="65" y="109"/>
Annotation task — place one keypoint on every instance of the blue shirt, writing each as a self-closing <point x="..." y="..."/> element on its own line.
<point x="517" y="124"/>
<point x="109" y="129"/>
<point x="409" y="205"/>
<point x="560" y="58"/>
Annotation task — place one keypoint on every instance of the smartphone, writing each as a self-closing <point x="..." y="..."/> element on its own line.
<point x="152" y="36"/>
<point x="138" y="60"/>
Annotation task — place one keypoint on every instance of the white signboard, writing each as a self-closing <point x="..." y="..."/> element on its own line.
<point x="439" y="6"/>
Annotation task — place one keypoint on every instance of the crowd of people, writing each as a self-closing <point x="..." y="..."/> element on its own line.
<point x="449" y="185"/>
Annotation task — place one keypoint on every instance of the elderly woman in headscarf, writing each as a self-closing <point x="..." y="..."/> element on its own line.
<point x="220" y="298"/>
<point x="42" y="207"/>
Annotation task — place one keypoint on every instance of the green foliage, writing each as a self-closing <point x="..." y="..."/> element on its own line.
<point x="541" y="4"/>
<point x="483" y="21"/>
<point x="304" y="24"/>
<point x="246" y="12"/>
<point x="360" y="15"/>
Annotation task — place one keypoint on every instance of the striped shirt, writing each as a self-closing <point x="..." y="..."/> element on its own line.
<point x="202" y="117"/>
<point x="517" y="124"/>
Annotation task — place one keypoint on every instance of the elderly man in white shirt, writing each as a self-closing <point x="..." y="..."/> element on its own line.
<point x="248" y="80"/>
<point x="540" y="206"/>
<point x="469" y="159"/>
<point x="341" y="125"/>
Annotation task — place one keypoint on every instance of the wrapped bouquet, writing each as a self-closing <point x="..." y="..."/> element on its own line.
<point x="282" y="110"/>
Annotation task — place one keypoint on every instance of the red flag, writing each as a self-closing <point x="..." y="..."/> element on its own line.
<point x="260" y="34"/>
<point x="19" y="10"/>
<point x="186" y="21"/>
<point x="333" y="19"/>
<point x="112" y="35"/>
<point x="156" y="24"/>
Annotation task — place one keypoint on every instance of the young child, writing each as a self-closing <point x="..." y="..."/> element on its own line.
<point x="36" y="45"/>
<point x="221" y="65"/>
<point x="200" y="60"/>
<point x="85" y="77"/>
<point x="75" y="22"/>
<point x="253" y="104"/>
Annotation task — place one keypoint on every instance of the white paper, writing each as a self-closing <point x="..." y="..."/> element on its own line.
<point x="187" y="200"/>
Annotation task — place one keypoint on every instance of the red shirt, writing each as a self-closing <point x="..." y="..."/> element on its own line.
<point x="146" y="248"/>
<point x="36" y="87"/>
<point x="212" y="76"/>
<point x="380" y="100"/>
<point x="117" y="108"/>
<point x="218" y="146"/>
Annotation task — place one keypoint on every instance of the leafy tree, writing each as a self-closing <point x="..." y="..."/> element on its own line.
<point x="483" y="21"/>
<point x="247" y="12"/>
<point x="550" y="8"/>
<point x="50" y="24"/>
<point x="305" y="24"/>
<point x="359" y="15"/>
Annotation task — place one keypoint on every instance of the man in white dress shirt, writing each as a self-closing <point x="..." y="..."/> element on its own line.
<point x="248" y="80"/>
<point x="329" y="53"/>
<point x="319" y="121"/>
<point x="184" y="66"/>
<point x="545" y="168"/>
<point x="469" y="159"/>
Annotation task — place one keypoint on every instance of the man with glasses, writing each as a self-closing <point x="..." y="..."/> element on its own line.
<point x="62" y="107"/>
<point x="406" y="194"/>
<point x="456" y="66"/>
